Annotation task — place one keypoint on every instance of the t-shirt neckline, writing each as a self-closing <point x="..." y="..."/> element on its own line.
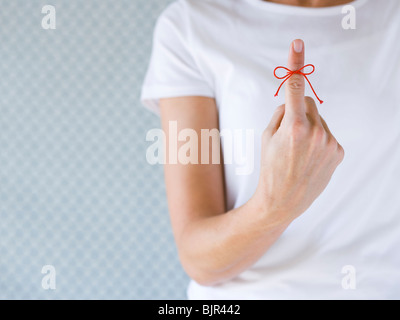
<point x="289" y="9"/>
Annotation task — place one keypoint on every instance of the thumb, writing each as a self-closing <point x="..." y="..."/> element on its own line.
<point x="294" y="93"/>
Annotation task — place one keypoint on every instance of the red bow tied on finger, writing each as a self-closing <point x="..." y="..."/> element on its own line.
<point x="290" y="73"/>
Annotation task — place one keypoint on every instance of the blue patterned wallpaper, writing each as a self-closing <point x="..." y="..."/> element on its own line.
<point x="76" y="192"/>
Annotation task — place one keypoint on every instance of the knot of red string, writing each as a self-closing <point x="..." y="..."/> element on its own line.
<point x="290" y="73"/>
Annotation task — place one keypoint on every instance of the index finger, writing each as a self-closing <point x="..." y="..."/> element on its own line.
<point x="295" y="85"/>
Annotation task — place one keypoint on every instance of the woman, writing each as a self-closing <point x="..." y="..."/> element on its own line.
<point x="299" y="225"/>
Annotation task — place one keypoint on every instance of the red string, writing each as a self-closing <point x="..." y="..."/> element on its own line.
<point x="290" y="73"/>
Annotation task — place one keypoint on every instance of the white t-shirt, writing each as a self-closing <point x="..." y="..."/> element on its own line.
<point x="347" y="244"/>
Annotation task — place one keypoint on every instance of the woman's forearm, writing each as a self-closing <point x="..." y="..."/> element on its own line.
<point x="218" y="248"/>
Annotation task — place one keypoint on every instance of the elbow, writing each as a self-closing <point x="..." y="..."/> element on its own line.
<point x="204" y="276"/>
<point x="202" y="263"/>
<point x="204" y="279"/>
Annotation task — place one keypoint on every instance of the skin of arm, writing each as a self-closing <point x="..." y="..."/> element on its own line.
<point x="213" y="245"/>
<point x="299" y="156"/>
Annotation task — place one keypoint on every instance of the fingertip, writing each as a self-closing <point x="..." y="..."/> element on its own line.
<point x="296" y="56"/>
<point x="298" y="45"/>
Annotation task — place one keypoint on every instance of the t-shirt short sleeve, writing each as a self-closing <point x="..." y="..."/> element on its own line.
<point x="172" y="71"/>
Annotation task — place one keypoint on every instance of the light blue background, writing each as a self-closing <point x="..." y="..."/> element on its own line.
<point x="76" y="191"/>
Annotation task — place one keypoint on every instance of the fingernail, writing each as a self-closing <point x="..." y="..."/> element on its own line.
<point x="298" y="46"/>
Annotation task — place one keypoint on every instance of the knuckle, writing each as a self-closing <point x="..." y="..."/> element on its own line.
<point x="319" y="133"/>
<point x="296" y="83"/>
<point x="335" y="150"/>
<point x="309" y="101"/>
<point x="340" y="152"/>
<point x="332" y="145"/>
<point x="267" y="134"/>
<point x="281" y="108"/>
<point x="274" y="120"/>
<point x="298" y="129"/>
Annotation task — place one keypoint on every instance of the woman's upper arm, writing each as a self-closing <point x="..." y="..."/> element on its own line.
<point x="194" y="191"/>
